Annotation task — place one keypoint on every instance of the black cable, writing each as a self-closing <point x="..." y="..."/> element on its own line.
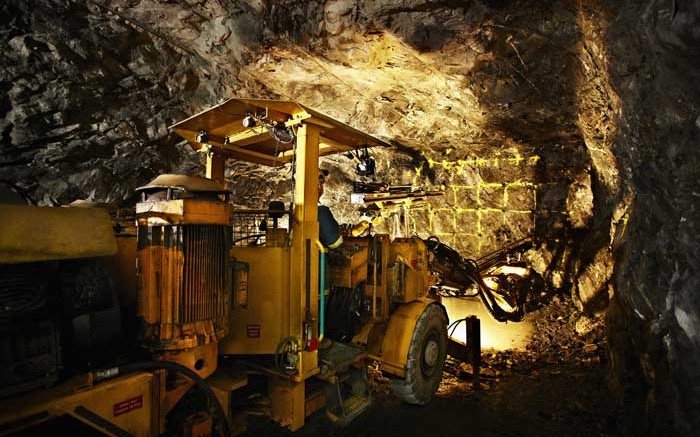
<point x="456" y="325"/>
<point x="248" y="237"/>
<point x="344" y="312"/>
<point x="496" y="311"/>
<point x="472" y="272"/>
<point x="198" y="380"/>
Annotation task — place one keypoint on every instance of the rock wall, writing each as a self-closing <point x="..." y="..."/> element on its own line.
<point x="575" y="121"/>
<point x="86" y="102"/>
<point x="653" y="66"/>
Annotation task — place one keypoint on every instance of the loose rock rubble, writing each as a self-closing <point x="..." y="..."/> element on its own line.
<point x="562" y="336"/>
<point x="556" y="386"/>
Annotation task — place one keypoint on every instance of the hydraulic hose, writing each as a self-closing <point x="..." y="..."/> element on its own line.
<point x="489" y="300"/>
<point x="321" y="291"/>
<point x="471" y="271"/>
<point x="322" y="295"/>
<point x="142" y="366"/>
<point x="464" y="271"/>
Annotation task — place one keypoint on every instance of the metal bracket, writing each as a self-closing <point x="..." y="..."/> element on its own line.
<point x="470" y="352"/>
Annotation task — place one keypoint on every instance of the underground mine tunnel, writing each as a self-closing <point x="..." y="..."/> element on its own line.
<point x="516" y="184"/>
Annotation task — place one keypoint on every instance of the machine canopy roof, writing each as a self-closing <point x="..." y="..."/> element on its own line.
<point x="269" y="142"/>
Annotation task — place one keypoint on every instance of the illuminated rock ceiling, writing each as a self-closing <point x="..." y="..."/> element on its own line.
<point x="576" y="122"/>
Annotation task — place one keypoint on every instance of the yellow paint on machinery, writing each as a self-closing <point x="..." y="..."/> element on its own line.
<point x="303" y="271"/>
<point x="182" y="211"/>
<point x="401" y="275"/>
<point x="287" y="400"/>
<point x="258" y="326"/>
<point x="35" y="233"/>
<point x="129" y="402"/>
<point x="223" y="383"/>
<point x="408" y="270"/>
<point x="183" y="272"/>
<point x="125" y="267"/>
<point x="200" y="295"/>
<point x="397" y="339"/>
<point x="353" y="269"/>
<point x="227" y="137"/>
<point x="282" y="282"/>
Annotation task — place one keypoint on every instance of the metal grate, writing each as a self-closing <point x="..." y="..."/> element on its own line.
<point x="205" y="281"/>
<point x="251" y="227"/>
<point x="19" y="295"/>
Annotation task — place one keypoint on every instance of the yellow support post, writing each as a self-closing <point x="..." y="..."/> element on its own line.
<point x="304" y="265"/>
<point x="287" y="402"/>
<point x="216" y="164"/>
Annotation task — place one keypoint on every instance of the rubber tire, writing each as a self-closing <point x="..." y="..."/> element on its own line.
<point x="420" y="383"/>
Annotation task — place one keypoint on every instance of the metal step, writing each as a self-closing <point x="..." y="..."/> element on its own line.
<point x="351" y="408"/>
<point x="348" y="395"/>
<point x="338" y="358"/>
<point x="356" y="405"/>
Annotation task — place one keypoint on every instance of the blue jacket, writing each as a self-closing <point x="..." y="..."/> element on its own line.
<point x="328" y="228"/>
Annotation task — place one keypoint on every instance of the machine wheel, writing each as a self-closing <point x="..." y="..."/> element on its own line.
<point x="426" y="357"/>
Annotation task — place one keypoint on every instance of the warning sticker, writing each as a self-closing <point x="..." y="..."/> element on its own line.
<point x="128" y="405"/>
<point x="253" y="331"/>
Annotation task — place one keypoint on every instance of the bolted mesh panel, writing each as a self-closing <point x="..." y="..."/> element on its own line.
<point x="259" y="227"/>
<point x="249" y="227"/>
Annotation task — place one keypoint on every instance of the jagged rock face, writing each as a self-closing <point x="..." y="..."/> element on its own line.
<point x="86" y="102"/>
<point x="653" y="66"/>
<point x="572" y="121"/>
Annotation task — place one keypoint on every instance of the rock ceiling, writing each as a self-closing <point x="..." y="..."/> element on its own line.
<point x="576" y="121"/>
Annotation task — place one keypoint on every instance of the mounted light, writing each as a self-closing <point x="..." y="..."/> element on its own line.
<point x="281" y="133"/>
<point x="249" y="121"/>
<point x="366" y="165"/>
<point x="202" y="137"/>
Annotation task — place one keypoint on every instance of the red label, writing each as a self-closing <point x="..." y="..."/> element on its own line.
<point x="128" y="405"/>
<point x="253" y="331"/>
<point x="414" y="264"/>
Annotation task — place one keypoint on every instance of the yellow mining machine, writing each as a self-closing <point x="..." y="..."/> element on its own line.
<point x="170" y="323"/>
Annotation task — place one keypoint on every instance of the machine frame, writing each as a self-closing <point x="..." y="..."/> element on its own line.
<point x="221" y="134"/>
<point x="393" y="275"/>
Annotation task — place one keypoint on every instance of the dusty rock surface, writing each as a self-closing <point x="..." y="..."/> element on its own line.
<point x="576" y="121"/>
